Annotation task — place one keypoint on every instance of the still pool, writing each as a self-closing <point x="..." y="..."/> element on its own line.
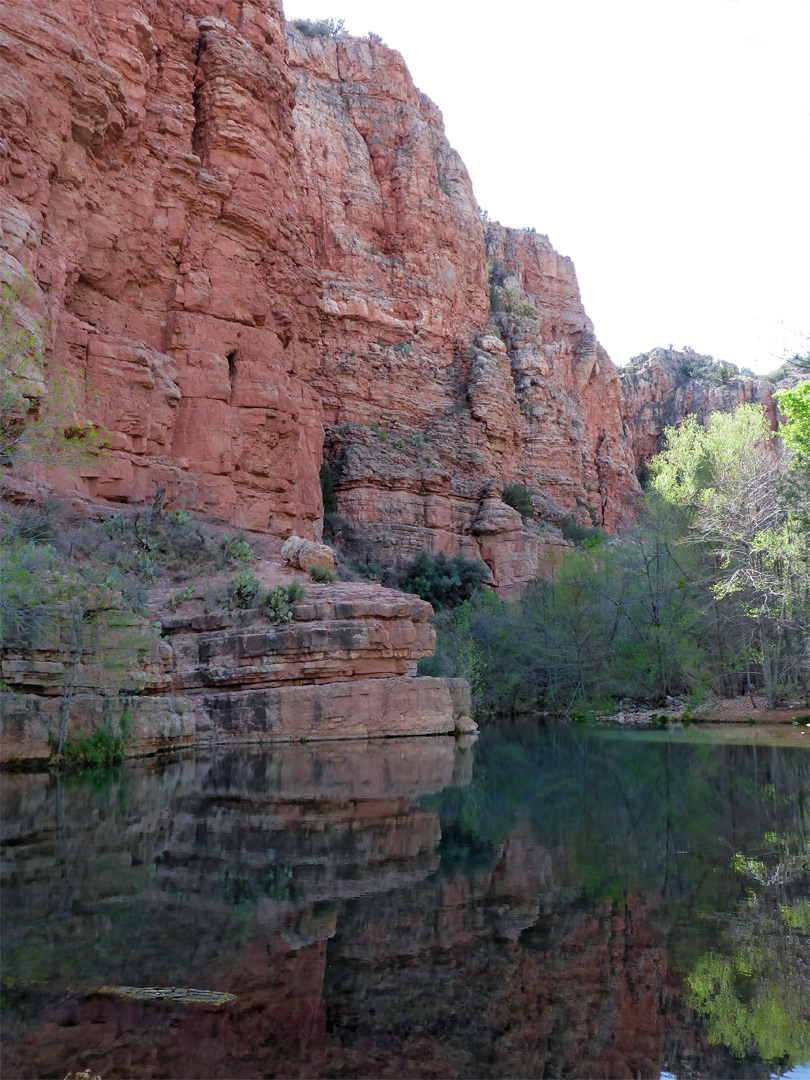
<point x="544" y="902"/>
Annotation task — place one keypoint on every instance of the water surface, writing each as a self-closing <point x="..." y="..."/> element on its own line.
<point x="549" y="902"/>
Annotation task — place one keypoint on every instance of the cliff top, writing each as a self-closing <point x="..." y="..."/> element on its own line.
<point x="685" y="365"/>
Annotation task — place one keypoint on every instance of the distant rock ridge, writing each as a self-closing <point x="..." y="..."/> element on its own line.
<point x="661" y="387"/>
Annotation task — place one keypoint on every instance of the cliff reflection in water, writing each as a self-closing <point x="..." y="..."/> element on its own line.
<point x="572" y="905"/>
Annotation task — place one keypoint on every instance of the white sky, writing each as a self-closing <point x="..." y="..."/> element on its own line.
<point x="663" y="144"/>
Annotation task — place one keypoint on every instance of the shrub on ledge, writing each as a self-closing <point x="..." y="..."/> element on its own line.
<point x="321" y="575"/>
<point x="319" y="28"/>
<point x="519" y="498"/>
<point x="443" y="582"/>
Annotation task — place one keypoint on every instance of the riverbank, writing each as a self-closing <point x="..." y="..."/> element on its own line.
<point x="726" y="734"/>
<point x="745" y="719"/>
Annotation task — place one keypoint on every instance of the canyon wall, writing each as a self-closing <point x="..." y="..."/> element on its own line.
<point x="256" y="250"/>
<point x="149" y="187"/>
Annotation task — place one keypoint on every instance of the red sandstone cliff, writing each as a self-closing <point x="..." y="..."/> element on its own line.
<point x="150" y="190"/>
<point x="257" y="249"/>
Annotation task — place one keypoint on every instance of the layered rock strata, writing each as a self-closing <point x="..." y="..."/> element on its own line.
<point x="431" y="400"/>
<point x="344" y="668"/>
<point x="150" y="192"/>
<point x="257" y="250"/>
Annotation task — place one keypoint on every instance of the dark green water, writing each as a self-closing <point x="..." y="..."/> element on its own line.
<point x="550" y="902"/>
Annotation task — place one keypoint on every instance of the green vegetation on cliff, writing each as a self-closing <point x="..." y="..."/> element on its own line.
<point x="444" y="582"/>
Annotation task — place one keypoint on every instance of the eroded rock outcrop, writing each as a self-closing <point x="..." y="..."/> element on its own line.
<point x="304" y="554"/>
<point x="257" y="248"/>
<point x="430" y="401"/>
<point x="574" y="452"/>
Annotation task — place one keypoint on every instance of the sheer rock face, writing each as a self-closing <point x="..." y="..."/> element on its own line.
<point x="150" y="192"/>
<point x="572" y="447"/>
<point x="389" y="211"/>
<point x="662" y="387"/>
<point x="428" y="405"/>
<point x="256" y="250"/>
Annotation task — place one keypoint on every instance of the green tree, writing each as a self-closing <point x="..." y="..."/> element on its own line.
<point x="443" y="582"/>
<point x="753" y="546"/>
<point x="519" y="498"/>
<point x="795" y="404"/>
<point x="660" y="642"/>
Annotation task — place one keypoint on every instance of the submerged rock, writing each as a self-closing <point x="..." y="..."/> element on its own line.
<point x="168" y="993"/>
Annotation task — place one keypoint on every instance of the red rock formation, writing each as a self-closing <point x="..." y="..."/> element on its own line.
<point x="427" y="410"/>
<point x="238" y="237"/>
<point x="149" y="189"/>
<point x="340" y="632"/>
<point x="390" y="212"/>
<point x="663" y="386"/>
<point x="573" y="447"/>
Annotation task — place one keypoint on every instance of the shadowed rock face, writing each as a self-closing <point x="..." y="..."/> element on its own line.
<point x="256" y="249"/>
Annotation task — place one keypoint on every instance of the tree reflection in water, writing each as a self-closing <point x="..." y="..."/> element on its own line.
<point x="755" y="989"/>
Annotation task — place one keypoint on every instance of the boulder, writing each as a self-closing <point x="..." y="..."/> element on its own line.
<point x="304" y="554"/>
